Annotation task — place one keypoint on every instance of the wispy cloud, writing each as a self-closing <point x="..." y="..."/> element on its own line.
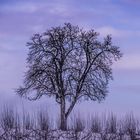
<point x="128" y="62"/>
<point x="20" y="7"/>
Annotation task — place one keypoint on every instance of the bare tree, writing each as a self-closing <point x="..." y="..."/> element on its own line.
<point x="69" y="64"/>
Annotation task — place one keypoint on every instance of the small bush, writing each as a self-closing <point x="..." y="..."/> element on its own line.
<point x="96" y="126"/>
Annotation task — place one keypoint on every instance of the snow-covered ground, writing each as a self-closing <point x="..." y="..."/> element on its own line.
<point x="63" y="135"/>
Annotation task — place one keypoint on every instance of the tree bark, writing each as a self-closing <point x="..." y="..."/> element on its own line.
<point x="63" y="123"/>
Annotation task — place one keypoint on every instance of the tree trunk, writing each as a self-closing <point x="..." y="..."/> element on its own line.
<point x="63" y="124"/>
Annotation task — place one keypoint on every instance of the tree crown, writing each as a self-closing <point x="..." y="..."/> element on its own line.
<point x="68" y="62"/>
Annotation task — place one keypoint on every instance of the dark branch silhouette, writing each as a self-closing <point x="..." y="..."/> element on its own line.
<point x="70" y="64"/>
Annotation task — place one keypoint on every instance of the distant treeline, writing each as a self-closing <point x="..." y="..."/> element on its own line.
<point x="18" y="126"/>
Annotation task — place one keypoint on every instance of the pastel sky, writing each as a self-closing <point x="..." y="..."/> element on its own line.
<point x="19" y="19"/>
